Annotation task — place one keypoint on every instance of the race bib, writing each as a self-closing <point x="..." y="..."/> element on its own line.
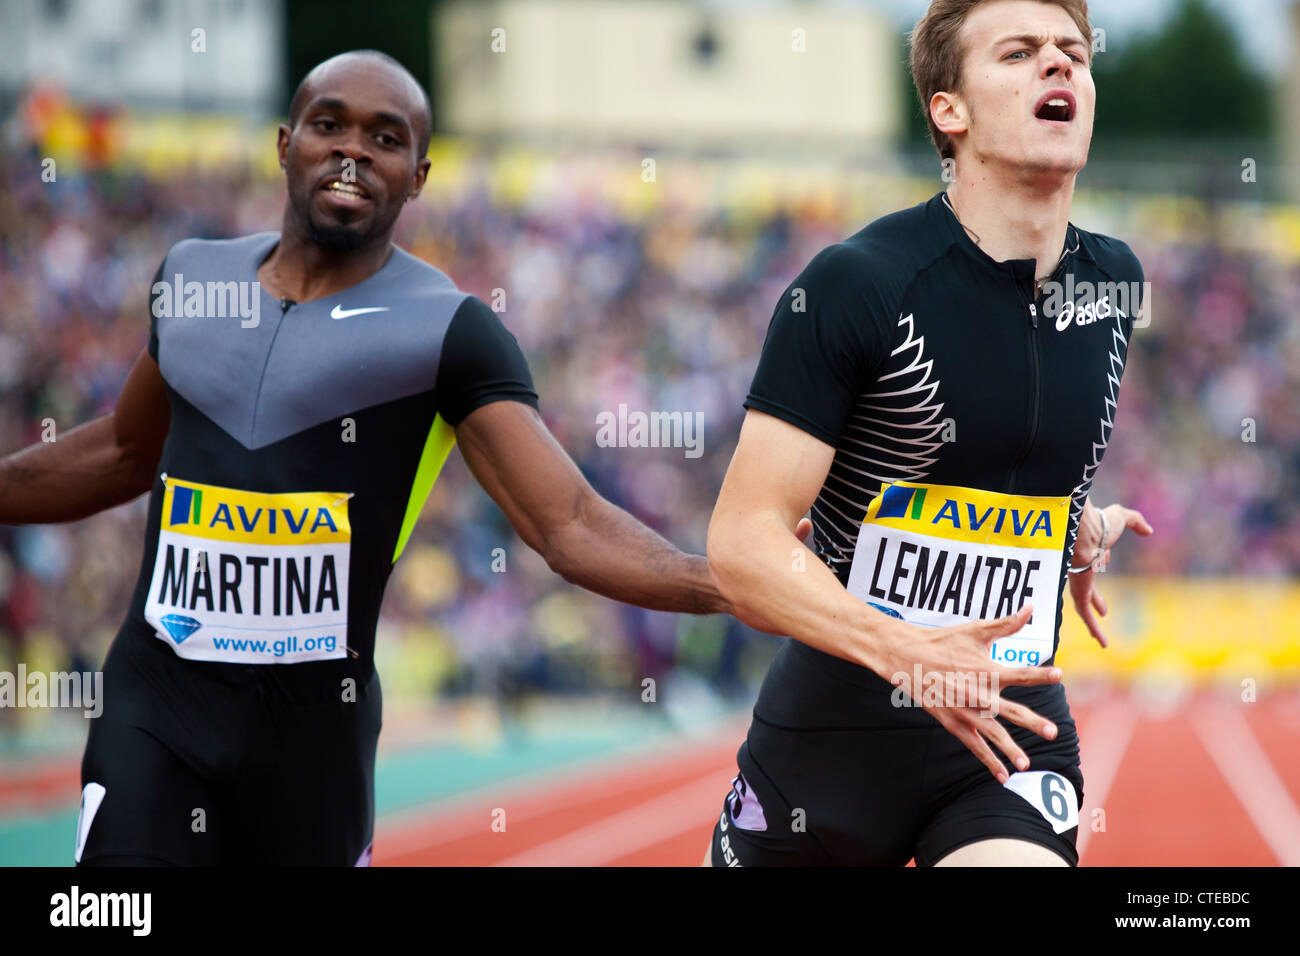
<point x="251" y="578"/>
<point x="939" y="555"/>
<point x="1050" y="794"/>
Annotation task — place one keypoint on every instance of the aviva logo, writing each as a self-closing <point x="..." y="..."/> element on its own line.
<point x="187" y="506"/>
<point x="249" y="517"/>
<point x="971" y="515"/>
<point x="900" y="502"/>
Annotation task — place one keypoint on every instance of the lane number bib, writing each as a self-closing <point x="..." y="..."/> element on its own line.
<point x="1051" y="794"/>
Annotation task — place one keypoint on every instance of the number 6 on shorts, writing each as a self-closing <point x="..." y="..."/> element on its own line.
<point x="1050" y="794"/>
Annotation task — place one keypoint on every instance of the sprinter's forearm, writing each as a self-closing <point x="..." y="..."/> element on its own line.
<point x="607" y="551"/>
<point x="764" y="570"/>
<point x="81" y="472"/>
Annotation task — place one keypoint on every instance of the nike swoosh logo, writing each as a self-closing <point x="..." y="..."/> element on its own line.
<point x="339" y="312"/>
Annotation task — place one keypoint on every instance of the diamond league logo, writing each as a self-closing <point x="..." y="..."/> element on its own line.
<point x="179" y="626"/>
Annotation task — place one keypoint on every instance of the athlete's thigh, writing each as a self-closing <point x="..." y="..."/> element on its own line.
<point x="1002" y="852"/>
<point x="142" y="804"/>
<point x="306" y="796"/>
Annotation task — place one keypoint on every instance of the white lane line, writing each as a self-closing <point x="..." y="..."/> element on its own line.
<point x="1103" y="741"/>
<point x="689" y="807"/>
<point x="1254" y="780"/>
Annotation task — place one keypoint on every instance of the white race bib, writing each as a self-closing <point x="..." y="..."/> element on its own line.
<point x="939" y="555"/>
<point x="251" y="578"/>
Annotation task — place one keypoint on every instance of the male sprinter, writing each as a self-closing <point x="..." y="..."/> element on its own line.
<point x="945" y="432"/>
<point x="287" y="456"/>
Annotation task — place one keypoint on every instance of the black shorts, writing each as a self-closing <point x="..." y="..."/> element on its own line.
<point x="832" y="773"/>
<point x="196" y="764"/>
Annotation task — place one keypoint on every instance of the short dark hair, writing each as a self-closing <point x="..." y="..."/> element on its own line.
<point x="937" y="53"/>
<point x="423" y="133"/>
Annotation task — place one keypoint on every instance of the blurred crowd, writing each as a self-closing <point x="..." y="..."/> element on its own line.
<point x="661" y="309"/>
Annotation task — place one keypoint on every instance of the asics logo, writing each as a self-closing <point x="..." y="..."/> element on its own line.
<point x="1084" y="313"/>
<point x="1086" y="302"/>
<point x="338" y="312"/>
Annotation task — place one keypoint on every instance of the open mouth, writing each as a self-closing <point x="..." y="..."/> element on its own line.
<point x="1057" y="106"/>
<point x="353" y="191"/>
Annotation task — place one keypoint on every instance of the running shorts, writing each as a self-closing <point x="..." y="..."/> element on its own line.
<point x="833" y="774"/>
<point x="194" y="764"/>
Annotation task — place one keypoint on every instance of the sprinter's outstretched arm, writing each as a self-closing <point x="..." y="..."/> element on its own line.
<point x="584" y="538"/>
<point x="98" y="465"/>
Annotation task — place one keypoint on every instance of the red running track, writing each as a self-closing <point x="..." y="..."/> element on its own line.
<point x="1208" y="781"/>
